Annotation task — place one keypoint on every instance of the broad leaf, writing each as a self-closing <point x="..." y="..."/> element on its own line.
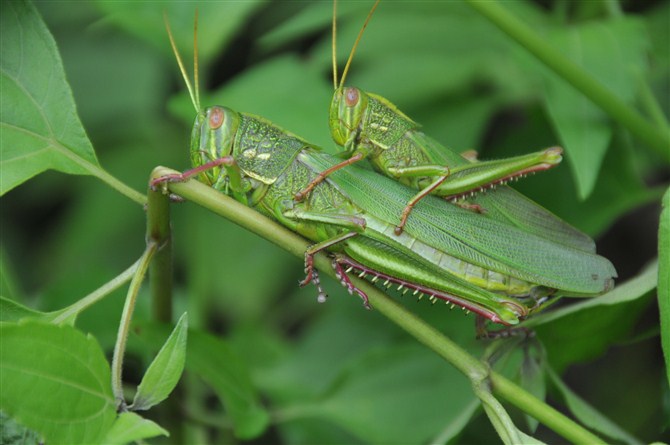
<point x="664" y="279"/>
<point x="611" y="52"/>
<point x="131" y="427"/>
<point x="165" y="371"/>
<point x="588" y="415"/>
<point x="212" y="359"/>
<point x="56" y="381"/>
<point x="39" y="126"/>
<point x="373" y="401"/>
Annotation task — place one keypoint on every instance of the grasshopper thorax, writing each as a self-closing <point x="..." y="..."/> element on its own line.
<point x="213" y="136"/>
<point x="346" y="113"/>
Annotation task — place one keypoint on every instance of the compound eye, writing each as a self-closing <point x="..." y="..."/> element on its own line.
<point x="351" y="97"/>
<point x="216" y="118"/>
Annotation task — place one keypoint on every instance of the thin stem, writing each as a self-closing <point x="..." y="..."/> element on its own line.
<point x="126" y="317"/>
<point x="650" y="104"/>
<point x="475" y="370"/>
<point x="575" y="75"/>
<point x="100" y="173"/>
<point x="95" y="296"/>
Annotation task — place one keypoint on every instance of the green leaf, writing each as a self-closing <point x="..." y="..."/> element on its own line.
<point x="664" y="279"/>
<point x="131" y="427"/>
<point x="165" y="371"/>
<point x="13" y="311"/>
<point x="13" y="433"/>
<point x="611" y="52"/>
<point x="588" y="415"/>
<point x="590" y="326"/>
<point x="217" y="22"/>
<point x="56" y="381"/>
<point x="532" y="376"/>
<point x="212" y="359"/>
<point x="373" y="401"/>
<point x="39" y="122"/>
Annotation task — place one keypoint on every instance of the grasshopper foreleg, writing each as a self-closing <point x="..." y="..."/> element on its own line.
<point x="324" y="174"/>
<point x="188" y="174"/>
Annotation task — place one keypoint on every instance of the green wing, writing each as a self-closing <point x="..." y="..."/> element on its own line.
<point x="473" y="237"/>
<point x="506" y="204"/>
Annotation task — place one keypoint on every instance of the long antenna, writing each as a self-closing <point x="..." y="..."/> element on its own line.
<point x="180" y="63"/>
<point x="358" y="39"/>
<point x="335" y="44"/>
<point x="195" y="60"/>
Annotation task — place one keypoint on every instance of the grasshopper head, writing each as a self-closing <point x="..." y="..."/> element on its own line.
<point x="212" y="138"/>
<point x="346" y="113"/>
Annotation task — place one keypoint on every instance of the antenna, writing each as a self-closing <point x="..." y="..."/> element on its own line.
<point x="335" y="44"/>
<point x="358" y="39"/>
<point x="194" y="99"/>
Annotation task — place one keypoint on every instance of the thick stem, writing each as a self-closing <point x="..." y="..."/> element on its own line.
<point x="475" y="370"/>
<point x="160" y="272"/>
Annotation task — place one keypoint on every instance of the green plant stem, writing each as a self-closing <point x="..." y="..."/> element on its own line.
<point x="160" y="272"/>
<point x="577" y="77"/>
<point x="649" y="103"/>
<point x="160" y="279"/>
<point x="95" y="296"/>
<point x="100" y="173"/>
<point x="126" y="317"/>
<point x="475" y="370"/>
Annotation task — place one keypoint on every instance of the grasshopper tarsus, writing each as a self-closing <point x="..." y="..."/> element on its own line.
<point x="482" y="332"/>
<point x="346" y="282"/>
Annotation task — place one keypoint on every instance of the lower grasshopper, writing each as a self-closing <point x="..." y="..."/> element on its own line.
<point x="446" y="252"/>
<point x="369" y="126"/>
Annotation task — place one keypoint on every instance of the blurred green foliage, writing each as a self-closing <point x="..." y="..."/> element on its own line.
<point x="292" y="371"/>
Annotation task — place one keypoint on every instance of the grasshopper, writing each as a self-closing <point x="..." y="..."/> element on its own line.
<point x="369" y="126"/>
<point x="446" y="252"/>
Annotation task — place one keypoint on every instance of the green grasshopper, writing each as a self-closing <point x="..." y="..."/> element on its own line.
<point x="446" y="252"/>
<point x="369" y="126"/>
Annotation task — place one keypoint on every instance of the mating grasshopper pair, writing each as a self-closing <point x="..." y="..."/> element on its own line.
<point x="499" y="255"/>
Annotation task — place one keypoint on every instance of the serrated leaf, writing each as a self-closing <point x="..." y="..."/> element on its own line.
<point x="664" y="279"/>
<point x="588" y="415"/>
<point x="611" y="52"/>
<point x="165" y="371"/>
<point x="56" y="381"/>
<point x="131" y="427"/>
<point x="40" y="129"/>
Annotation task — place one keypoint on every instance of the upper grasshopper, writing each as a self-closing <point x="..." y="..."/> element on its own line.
<point x="369" y="126"/>
<point x="480" y="263"/>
